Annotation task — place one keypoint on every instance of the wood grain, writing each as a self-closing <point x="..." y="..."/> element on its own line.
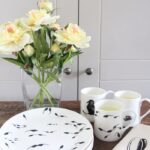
<point x="9" y="109"/>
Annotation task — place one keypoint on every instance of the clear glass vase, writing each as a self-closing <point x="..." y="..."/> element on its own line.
<point x="41" y="88"/>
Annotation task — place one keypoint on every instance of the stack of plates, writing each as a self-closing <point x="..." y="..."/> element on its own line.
<point x="47" y="129"/>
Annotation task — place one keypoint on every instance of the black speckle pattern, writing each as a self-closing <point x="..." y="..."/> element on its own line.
<point x="74" y="123"/>
<point x="7" y="133"/>
<point x="75" y="134"/>
<point x="36" y="146"/>
<point x="127" y="118"/>
<point x="31" y="135"/>
<point x="77" y="145"/>
<point x="61" y="147"/>
<point x="24" y="116"/>
<point x="58" y="115"/>
<point x="7" y="145"/>
<point x="32" y="130"/>
<point x="47" y="109"/>
<point x="118" y="132"/>
<point x="139" y="143"/>
<point x="25" y="126"/>
<point x="19" y="126"/>
<point x="48" y="132"/>
<point x="107" y="116"/>
<point x="52" y="124"/>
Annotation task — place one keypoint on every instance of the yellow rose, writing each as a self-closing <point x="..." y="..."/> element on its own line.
<point x="55" y="48"/>
<point x="73" y="35"/>
<point x="36" y="18"/>
<point x="45" y="4"/>
<point x="13" y="38"/>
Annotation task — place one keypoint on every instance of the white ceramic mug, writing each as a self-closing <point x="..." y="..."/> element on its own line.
<point x="88" y="98"/>
<point x="132" y="101"/>
<point x="111" y="120"/>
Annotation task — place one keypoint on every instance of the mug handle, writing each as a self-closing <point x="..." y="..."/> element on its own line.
<point x="148" y="112"/>
<point x="130" y="116"/>
<point x="109" y="92"/>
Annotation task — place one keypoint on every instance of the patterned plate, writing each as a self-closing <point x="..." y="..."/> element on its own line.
<point x="90" y="147"/>
<point x="46" y="129"/>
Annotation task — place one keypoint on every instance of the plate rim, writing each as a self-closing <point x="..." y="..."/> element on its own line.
<point x="56" y="108"/>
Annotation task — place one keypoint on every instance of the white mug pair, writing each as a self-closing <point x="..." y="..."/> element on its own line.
<point x="112" y="117"/>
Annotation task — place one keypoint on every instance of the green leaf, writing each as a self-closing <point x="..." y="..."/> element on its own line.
<point x="21" y="57"/>
<point x="51" y="77"/>
<point x="42" y="59"/>
<point x="37" y="44"/>
<point x="51" y="62"/>
<point x="43" y="38"/>
<point x="41" y="45"/>
<point x="76" y="53"/>
<point x="14" y="61"/>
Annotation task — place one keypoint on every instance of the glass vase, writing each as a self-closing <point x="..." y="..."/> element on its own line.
<point x="41" y="88"/>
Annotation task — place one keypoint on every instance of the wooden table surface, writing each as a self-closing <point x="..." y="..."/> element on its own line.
<point x="9" y="109"/>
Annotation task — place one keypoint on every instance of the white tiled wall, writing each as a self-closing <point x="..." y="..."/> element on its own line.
<point x="125" y="69"/>
<point x="142" y="86"/>
<point x="125" y="45"/>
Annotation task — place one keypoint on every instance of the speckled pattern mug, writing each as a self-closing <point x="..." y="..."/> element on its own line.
<point x="111" y="120"/>
<point x="88" y="97"/>
<point x="132" y="101"/>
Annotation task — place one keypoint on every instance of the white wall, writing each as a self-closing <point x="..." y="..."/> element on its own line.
<point x="125" y="45"/>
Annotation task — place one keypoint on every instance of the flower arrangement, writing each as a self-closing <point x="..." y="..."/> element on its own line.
<point x="40" y="46"/>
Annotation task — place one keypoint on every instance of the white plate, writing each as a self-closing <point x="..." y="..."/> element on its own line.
<point x="137" y="139"/>
<point x="90" y="147"/>
<point x="46" y="129"/>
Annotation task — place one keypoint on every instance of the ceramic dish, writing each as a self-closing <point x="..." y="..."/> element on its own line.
<point x="46" y="129"/>
<point x="137" y="139"/>
<point x="90" y="147"/>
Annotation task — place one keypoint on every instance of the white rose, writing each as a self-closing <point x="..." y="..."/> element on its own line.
<point x="73" y="35"/>
<point x="36" y="18"/>
<point x="13" y="38"/>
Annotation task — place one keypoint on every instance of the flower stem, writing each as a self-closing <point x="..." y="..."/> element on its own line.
<point x="35" y="99"/>
<point x="43" y="76"/>
<point x="43" y="92"/>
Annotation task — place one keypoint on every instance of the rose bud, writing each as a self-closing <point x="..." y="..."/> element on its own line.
<point x="28" y="51"/>
<point x="45" y="4"/>
<point x="55" y="48"/>
<point x="73" y="49"/>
